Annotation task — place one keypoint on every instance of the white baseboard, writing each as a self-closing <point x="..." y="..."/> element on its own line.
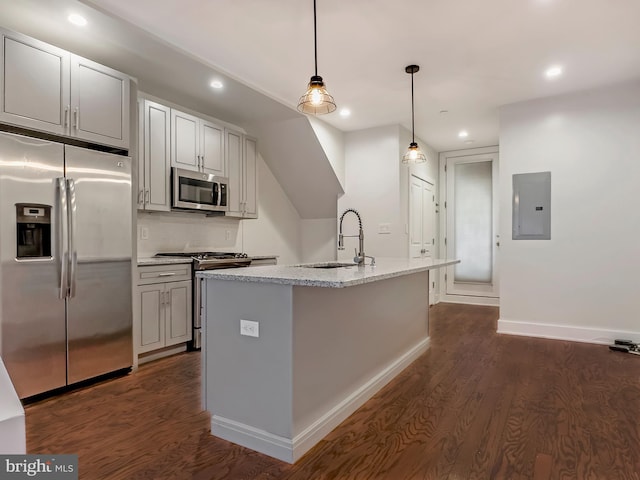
<point x="334" y="417"/>
<point x="470" y="300"/>
<point x="161" y="353"/>
<point x="290" y="450"/>
<point x="256" y="439"/>
<point x="563" y="332"/>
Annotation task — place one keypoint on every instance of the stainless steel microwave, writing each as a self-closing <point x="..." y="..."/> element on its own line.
<point x="199" y="191"/>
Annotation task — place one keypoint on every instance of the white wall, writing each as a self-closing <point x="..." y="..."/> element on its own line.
<point x="299" y="163"/>
<point x="332" y="141"/>
<point x="583" y="283"/>
<point x="372" y="176"/>
<point x="318" y="239"/>
<point x="277" y="228"/>
<point x="275" y="232"/>
<point x="377" y="185"/>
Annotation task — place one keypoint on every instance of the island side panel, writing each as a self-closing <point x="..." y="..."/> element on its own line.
<point x="349" y="342"/>
<point x="249" y="379"/>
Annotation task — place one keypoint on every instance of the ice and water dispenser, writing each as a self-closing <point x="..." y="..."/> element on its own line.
<point x="33" y="224"/>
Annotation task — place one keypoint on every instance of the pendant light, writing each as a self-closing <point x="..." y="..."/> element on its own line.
<point x="316" y="100"/>
<point x="414" y="154"/>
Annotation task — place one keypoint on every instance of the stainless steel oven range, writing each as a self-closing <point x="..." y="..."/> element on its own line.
<point x="206" y="261"/>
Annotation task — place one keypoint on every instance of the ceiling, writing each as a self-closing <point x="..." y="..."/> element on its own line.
<point x="474" y="56"/>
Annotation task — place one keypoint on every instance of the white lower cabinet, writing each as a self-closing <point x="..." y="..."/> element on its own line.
<point x="165" y="302"/>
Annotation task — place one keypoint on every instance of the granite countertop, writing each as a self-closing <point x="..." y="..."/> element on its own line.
<point x="142" y="261"/>
<point x="304" y="275"/>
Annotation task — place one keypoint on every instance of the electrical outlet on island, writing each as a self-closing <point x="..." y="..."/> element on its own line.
<point x="249" y="328"/>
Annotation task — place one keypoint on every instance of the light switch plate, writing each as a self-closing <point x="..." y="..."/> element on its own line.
<point x="384" y="228"/>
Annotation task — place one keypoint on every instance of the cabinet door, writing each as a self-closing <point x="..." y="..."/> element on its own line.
<point x="157" y="156"/>
<point x="141" y="158"/>
<point x="250" y="177"/>
<point x="179" y="308"/>
<point x="185" y="146"/>
<point x="99" y="103"/>
<point x="34" y="82"/>
<point x="152" y="317"/>
<point x="233" y="146"/>
<point x="212" y="148"/>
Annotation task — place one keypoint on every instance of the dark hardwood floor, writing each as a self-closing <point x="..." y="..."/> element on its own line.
<point x="476" y="405"/>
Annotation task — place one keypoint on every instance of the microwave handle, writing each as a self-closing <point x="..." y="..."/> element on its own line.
<point x="216" y="193"/>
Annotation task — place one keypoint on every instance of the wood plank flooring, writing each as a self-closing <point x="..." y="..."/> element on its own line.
<point x="477" y="405"/>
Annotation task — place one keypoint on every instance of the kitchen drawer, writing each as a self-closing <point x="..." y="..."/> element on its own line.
<point x="163" y="273"/>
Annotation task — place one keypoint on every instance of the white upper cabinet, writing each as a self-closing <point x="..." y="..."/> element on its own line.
<point x="154" y="192"/>
<point x="212" y="148"/>
<point x="34" y="81"/>
<point x="99" y="103"/>
<point x="197" y="144"/>
<point x="250" y="177"/>
<point x="185" y="140"/>
<point x="233" y="143"/>
<point x="242" y="159"/>
<point x="49" y="89"/>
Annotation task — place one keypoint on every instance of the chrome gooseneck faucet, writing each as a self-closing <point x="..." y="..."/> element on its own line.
<point x="360" y="256"/>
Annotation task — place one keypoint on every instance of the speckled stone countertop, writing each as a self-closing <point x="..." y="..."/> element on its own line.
<point x="143" y="261"/>
<point x="305" y="275"/>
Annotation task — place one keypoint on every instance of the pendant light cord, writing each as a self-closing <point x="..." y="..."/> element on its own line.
<point x="315" y="37"/>
<point x="413" y="127"/>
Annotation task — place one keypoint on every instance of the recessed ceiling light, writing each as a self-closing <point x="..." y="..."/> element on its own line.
<point x="78" y="20"/>
<point x="553" y="72"/>
<point x="345" y="112"/>
<point x="217" y="84"/>
<point x="463" y="134"/>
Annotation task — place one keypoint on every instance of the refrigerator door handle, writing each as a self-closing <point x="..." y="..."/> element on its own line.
<point x="71" y="189"/>
<point x="63" y="237"/>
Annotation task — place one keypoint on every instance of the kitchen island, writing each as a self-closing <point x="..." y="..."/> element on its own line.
<point x="324" y="342"/>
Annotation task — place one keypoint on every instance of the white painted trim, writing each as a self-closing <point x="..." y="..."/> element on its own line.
<point x="469" y="151"/>
<point x="161" y="353"/>
<point x="471" y="300"/>
<point x="289" y="450"/>
<point x="256" y="439"/>
<point x="315" y="432"/>
<point x="599" y="336"/>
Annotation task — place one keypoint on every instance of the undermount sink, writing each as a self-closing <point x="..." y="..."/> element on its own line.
<point x="329" y="265"/>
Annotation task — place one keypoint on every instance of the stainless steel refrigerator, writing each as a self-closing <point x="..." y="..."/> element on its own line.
<point x="65" y="263"/>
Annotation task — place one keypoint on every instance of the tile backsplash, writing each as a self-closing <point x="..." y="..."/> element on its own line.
<point x="177" y="232"/>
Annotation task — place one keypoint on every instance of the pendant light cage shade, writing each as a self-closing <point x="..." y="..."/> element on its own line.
<point x="316" y="99"/>
<point x="414" y="154"/>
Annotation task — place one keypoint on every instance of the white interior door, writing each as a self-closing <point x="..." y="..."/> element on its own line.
<point x="471" y="225"/>
<point x="422" y="214"/>
<point x="422" y="223"/>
